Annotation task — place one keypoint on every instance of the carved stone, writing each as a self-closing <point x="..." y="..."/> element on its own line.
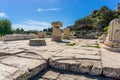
<point x="66" y="33"/>
<point x="113" y="37"/>
<point x="56" y="34"/>
<point x="37" y="42"/>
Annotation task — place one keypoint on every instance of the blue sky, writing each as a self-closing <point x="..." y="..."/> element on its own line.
<point x="38" y="14"/>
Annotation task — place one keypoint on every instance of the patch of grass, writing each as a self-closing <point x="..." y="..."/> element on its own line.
<point x="94" y="46"/>
<point x="71" y="44"/>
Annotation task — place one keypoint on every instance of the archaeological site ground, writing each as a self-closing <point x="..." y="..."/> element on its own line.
<point x="60" y="58"/>
<point x="59" y="40"/>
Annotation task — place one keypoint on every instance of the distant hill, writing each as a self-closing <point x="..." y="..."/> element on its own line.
<point x="97" y="20"/>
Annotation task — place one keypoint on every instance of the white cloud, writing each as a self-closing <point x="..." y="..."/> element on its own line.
<point x="50" y="9"/>
<point x="3" y="15"/>
<point x="32" y="25"/>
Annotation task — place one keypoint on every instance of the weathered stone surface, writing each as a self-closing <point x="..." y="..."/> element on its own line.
<point x="10" y="51"/>
<point x="37" y="42"/>
<point x="77" y="52"/>
<point x="26" y="67"/>
<point x="30" y="55"/>
<point x="19" y="37"/>
<point x="113" y="38"/>
<point x="56" y="34"/>
<point x="41" y="35"/>
<point x="6" y="71"/>
<point x="32" y="59"/>
<point x="111" y="63"/>
<point x="51" y="75"/>
<point x="81" y="56"/>
<point x="80" y="77"/>
<point x="77" y="65"/>
<point x="66" y="33"/>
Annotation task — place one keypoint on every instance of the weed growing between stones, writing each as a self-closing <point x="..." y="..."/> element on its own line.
<point x="94" y="46"/>
<point x="71" y="44"/>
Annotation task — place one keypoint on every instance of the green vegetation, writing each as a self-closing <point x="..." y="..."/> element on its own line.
<point x="48" y="31"/>
<point x="5" y="27"/>
<point x="71" y="44"/>
<point x="18" y="31"/>
<point x="93" y="46"/>
<point x="96" y="45"/>
<point x="97" y="20"/>
<point x="106" y="29"/>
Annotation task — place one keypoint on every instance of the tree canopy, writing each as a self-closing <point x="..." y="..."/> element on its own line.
<point x="98" y="19"/>
<point x="5" y="27"/>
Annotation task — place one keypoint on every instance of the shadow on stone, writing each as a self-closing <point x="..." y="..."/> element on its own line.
<point x="66" y="42"/>
<point x="62" y="75"/>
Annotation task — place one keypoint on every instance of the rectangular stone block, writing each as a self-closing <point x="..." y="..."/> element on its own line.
<point x="27" y="67"/>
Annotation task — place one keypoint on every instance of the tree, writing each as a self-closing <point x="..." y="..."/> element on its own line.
<point x="98" y="19"/>
<point x="22" y="30"/>
<point x="19" y="31"/>
<point x="45" y="30"/>
<point x="5" y="27"/>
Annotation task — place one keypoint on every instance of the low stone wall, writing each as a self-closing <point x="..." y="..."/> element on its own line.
<point x="19" y="37"/>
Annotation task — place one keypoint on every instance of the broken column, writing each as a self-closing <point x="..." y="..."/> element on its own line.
<point x="56" y="34"/>
<point x="66" y="33"/>
<point x="113" y="37"/>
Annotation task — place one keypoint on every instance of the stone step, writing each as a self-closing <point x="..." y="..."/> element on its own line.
<point x="111" y="63"/>
<point x="19" y="68"/>
<point x="93" y="67"/>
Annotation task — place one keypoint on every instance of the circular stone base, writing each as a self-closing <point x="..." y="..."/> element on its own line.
<point x="37" y="42"/>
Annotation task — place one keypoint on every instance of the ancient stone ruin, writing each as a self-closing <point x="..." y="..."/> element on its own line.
<point x="113" y="37"/>
<point x="66" y="33"/>
<point x="37" y="42"/>
<point x="41" y="35"/>
<point x="56" y="34"/>
<point x="15" y="37"/>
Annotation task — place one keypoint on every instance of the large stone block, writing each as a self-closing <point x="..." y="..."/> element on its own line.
<point x="26" y="67"/>
<point x="110" y="63"/>
<point x="113" y="37"/>
<point x="56" y="34"/>
<point x="92" y="67"/>
<point x="37" y="42"/>
<point x="66" y="33"/>
<point x="6" y="71"/>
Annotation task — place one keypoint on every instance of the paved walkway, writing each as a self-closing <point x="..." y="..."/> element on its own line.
<point x="20" y="61"/>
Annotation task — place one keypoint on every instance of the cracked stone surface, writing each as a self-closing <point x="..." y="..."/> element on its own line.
<point x="53" y="74"/>
<point x="111" y="63"/>
<point x="19" y="61"/>
<point x="25" y="66"/>
<point x="86" y="65"/>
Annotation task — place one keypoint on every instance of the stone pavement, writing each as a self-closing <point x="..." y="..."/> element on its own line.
<point x="54" y="74"/>
<point x="19" y="61"/>
<point x="111" y="63"/>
